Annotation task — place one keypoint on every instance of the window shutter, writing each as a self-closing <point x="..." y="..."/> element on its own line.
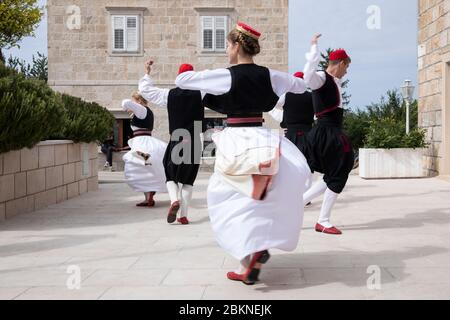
<point x="208" y="33"/>
<point x="132" y="34"/>
<point x="221" y="31"/>
<point x="118" y="32"/>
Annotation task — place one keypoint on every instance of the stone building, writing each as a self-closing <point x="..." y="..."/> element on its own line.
<point x="97" y="49"/>
<point x="434" y="82"/>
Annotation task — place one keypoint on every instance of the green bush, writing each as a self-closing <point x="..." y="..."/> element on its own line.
<point x="388" y="133"/>
<point x="356" y="126"/>
<point x="383" y="125"/>
<point x="86" y="122"/>
<point x="30" y="111"/>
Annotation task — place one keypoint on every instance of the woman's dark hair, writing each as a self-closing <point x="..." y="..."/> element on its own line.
<point x="248" y="44"/>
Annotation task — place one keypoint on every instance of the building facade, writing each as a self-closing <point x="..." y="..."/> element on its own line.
<point x="97" y="49"/>
<point x="434" y="82"/>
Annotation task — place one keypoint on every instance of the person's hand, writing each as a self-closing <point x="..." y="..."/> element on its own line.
<point x="315" y="39"/>
<point x="148" y="66"/>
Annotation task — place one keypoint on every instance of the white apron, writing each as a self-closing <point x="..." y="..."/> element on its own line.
<point x="145" y="175"/>
<point x="243" y="225"/>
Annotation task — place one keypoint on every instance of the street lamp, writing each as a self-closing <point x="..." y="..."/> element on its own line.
<point x="407" y="93"/>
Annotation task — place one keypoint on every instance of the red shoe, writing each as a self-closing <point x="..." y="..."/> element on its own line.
<point x="239" y="277"/>
<point x="183" y="220"/>
<point x="173" y="210"/>
<point x="142" y="204"/>
<point x="332" y="230"/>
<point x="151" y="202"/>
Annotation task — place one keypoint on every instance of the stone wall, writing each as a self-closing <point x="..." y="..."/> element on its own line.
<point x="434" y="45"/>
<point x="49" y="173"/>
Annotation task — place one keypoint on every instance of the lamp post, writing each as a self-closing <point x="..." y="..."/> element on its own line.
<point x="407" y="93"/>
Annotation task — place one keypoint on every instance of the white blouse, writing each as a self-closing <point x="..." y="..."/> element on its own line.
<point x="218" y="81"/>
<point x="154" y="94"/>
<point x="138" y="110"/>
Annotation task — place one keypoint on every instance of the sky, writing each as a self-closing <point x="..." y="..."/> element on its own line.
<point x="379" y="35"/>
<point x="383" y="51"/>
<point x="32" y="45"/>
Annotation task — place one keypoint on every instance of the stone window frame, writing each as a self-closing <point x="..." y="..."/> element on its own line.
<point x="445" y="161"/>
<point x="126" y="11"/>
<point x="229" y="13"/>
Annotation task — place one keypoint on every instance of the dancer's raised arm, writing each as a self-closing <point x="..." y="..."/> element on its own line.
<point x="148" y="90"/>
<point x="313" y="78"/>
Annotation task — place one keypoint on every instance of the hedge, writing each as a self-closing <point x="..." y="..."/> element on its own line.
<point x="30" y="111"/>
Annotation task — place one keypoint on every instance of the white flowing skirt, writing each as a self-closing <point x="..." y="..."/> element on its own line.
<point x="141" y="177"/>
<point x="242" y="225"/>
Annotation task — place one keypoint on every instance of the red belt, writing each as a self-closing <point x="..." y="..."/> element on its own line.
<point x="244" y="120"/>
<point x="139" y="133"/>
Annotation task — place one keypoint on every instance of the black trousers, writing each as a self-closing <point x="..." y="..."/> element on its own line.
<point x="108" y="151"/>
<point x="330" y="152"/>
<point x="182" y="161"/>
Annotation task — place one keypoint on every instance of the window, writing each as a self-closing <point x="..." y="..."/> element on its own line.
<point x="214" y="30"/>
<point x="125" y="33"/>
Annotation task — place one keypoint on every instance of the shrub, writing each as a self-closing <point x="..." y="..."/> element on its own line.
<point x="86" y="121"/>
<point x="383" y="125"/>
<point x="387" y="133"/>
<point x="29" y="111"/>
<point x="356" y="126"/>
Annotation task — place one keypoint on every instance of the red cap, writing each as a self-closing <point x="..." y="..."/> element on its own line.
<point x="338" y="54"/>
<point x="185" y="67"/>
<point x="299" y="74"/>
<point x="247" y="30"/>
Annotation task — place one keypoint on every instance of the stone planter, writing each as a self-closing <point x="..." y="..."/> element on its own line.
<point x="49" y="173"/>
<point x="391" y="163"/>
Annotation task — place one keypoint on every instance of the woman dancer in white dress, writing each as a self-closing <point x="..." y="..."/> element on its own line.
<point x="144" y="170"/>
<point x="255" y="193"/>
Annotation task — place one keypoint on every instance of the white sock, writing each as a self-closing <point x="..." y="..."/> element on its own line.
<point x="315" y="191"/>
<point x="329" y="199"/>
<point x="243" y="265"/>
<point x="186" y="196"/>
<point x="309" y="182"/>
<point x="172" y="188"/>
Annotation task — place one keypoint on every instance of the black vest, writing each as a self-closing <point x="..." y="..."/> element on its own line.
<point x="327" y="98"/>
<point x="146" y="123"/>
<point x="250" y="95"/>
<point x="184" y="107"/>
<point x="298" y="110"/>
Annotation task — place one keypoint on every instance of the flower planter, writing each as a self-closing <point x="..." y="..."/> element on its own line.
<point x="391" y="163"/>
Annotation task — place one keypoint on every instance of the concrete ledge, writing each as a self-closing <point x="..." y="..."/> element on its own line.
<point x="49" y="173"/>
<point x="392" y="163"/>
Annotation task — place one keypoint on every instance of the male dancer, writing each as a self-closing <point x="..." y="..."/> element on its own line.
<point x="184" y="108"/>
<point x="329" y="148"/>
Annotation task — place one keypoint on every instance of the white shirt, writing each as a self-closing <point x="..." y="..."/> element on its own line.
<point x="277" y="112"/>
<point x="218" y="82"/>
<point x="316" y="79"/>
<point x="154" y="94"/>
<point x="139" y="110"/>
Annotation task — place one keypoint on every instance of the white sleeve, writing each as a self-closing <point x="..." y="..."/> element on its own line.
<point x="283" y="83"/>
<point x="215" y="82"/>
<point x="277" y="114"/>
<point x="151" y="93"/>
<point x="138" y="110"/>
<point x="313" y="79"/>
